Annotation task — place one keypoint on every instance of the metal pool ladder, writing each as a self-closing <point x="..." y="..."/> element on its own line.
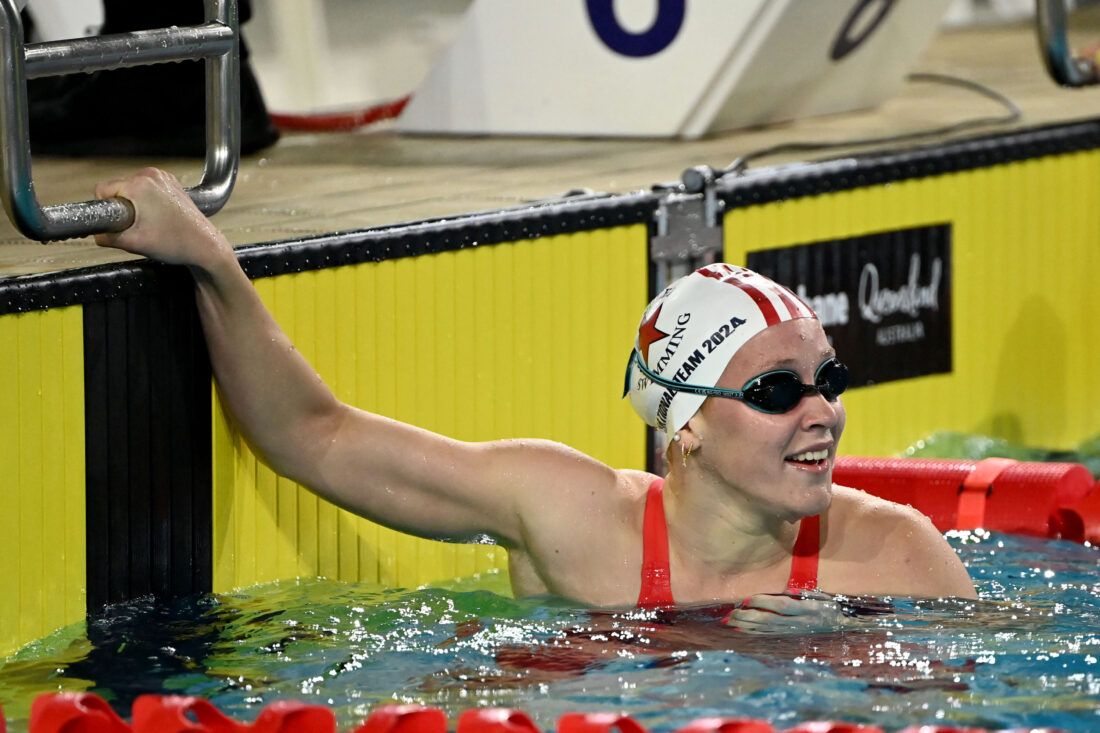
<point x="1062" y="65"/>
<point x="216" y="41"/>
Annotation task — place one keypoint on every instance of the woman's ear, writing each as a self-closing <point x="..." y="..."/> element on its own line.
<point x="688" y="437"/>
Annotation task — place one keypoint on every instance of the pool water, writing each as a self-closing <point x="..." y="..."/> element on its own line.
<point x="1025" y="655"/>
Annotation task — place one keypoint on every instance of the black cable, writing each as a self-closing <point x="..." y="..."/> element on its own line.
<point x="695" y="180"/>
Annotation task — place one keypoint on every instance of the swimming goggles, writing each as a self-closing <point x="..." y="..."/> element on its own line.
<point x="772" y="392"/>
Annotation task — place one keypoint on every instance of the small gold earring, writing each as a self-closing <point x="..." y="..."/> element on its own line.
<point x="685" y="453"/>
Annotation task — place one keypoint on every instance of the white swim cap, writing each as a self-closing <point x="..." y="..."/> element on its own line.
<point x="690" y="332"/>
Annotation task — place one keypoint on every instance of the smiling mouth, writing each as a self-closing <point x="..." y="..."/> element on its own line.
<point x="810" y="457"/>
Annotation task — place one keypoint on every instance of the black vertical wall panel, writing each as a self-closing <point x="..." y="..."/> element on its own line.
<point x="116" y="493"/>
<point x="162" y="469"/>
<point x="95" y="449"/>
<point x="147" y="420"/>
<point x="190" y="442"/>
<point x="142" y="393"/>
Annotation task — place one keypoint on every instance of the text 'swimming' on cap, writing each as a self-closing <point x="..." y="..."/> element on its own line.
<point x="691" y="331"/>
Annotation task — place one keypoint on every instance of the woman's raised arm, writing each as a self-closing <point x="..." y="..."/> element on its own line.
<point x="399" y="475"/>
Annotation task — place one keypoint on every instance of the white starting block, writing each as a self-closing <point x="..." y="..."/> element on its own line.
<point x="666" y="68"/>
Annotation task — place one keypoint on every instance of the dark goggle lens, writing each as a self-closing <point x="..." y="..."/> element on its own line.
<point x="832" y="379"/>
<point x="775" y="392"/>
<point x="778" y="392"/>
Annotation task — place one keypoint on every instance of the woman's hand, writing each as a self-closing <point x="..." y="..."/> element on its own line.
<point x="167" y="225"/>
<point x="784" y="614"/>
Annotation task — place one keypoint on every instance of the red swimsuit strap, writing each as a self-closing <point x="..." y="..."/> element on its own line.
<point x="656" y="589"/>
<point x="804" y="561"/>
<point x="656" y="576"/>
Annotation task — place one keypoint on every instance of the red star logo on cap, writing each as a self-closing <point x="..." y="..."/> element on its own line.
<point x="648" y="333"/>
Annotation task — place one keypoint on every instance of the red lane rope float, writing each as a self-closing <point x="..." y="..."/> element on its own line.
<point x="180" y="714"/>
<point x="75" y="713"/>
<point x="1036" y="499"/>
<point x="404" y="719"/>
<point x="339" y="121"/>
<point x="977" y="487"/>
<point x="1080" y="521"/>
<point x="84" y="712"/>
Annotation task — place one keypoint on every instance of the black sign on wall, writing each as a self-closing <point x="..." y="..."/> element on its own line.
<point x="883" y="298"/>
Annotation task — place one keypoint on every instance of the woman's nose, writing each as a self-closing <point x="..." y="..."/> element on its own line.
<point x="816" y="410"/>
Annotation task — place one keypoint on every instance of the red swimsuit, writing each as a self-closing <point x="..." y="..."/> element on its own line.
<point x="656" y="577"/>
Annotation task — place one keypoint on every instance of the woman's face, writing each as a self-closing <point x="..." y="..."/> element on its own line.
<point x="781" y="464"/>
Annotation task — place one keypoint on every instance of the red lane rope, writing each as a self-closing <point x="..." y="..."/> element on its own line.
<point x="339" y="121"/>
<point x="68" y="712"/>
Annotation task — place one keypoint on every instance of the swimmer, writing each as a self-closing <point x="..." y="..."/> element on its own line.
<point x="736" y="371"/>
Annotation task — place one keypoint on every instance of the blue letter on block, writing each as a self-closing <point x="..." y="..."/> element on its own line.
<point x="670" y="19"/>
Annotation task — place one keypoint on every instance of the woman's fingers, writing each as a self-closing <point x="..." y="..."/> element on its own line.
<point x="786" y="614"/>
<point x="167" y="224"/>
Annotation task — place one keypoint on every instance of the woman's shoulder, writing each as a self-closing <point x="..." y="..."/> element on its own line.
<point x="857" y="522"/>
<point x="628" y="494"/>
<point x="898" y="548"/>
<point x="562" y="483"/>
<point x="636" y="483"/>
<point x="857" y="506"/>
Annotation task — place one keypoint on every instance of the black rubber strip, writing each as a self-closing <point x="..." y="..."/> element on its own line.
<point x="147" y="446"/>
<point x="878" y="168"/>
<point x="103" y="282"/>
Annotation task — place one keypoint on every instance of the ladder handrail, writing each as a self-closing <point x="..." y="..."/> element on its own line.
<point x="1062" y="65"/>
<point x="216" y="41"/>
